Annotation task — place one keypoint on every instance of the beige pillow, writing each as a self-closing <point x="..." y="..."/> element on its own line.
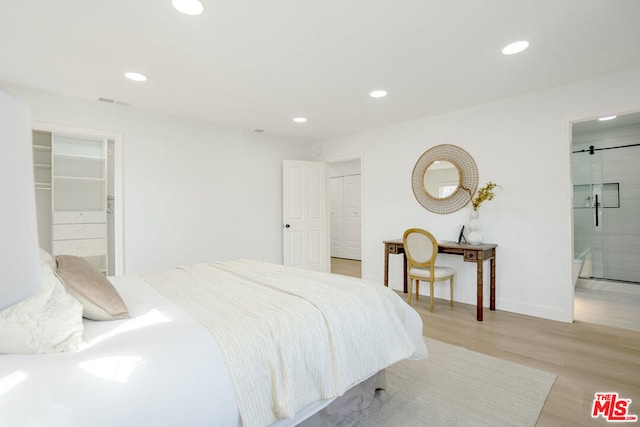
<point x="49" y="321"/>
<point x="99" y="299"/>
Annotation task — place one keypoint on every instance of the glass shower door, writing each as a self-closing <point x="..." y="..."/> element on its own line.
<point x="588" y="218"/>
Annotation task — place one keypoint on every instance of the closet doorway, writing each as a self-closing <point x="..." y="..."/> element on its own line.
<point x="345" y="215"/>
<point x="606" y="200"/>
<point x="78" y="190"/>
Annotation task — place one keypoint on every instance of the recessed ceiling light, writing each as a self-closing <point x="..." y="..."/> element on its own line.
<point x="188" y="7"/>
<point x="604" y="119"/>
<point x="378" y="93"/>
<point x="136" y="77"/>
<point x="300" y="119"/>
<point x="515" y="47"/>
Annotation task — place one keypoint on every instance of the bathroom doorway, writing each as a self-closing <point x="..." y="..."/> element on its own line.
<point x="606" y="202"/>
<point x="606" y="197"/>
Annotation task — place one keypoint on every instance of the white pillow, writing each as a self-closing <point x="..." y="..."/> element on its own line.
<point x="48" y="322"/>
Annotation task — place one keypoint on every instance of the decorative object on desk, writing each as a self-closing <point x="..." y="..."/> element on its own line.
<point x="485" y="193"/>
<point x="443" y="189"/>
<point x="461" y="235"/>
<point x="474" y="237"/>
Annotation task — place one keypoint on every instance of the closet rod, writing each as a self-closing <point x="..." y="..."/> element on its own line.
<point x="592" y="149"/>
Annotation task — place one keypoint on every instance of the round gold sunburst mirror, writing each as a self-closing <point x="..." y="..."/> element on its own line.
<point x="444" y="178"/>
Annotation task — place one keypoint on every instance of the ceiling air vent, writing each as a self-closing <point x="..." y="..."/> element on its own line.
<point x="113" y="101"/>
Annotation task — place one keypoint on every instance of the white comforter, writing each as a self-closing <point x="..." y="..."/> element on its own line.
<point x="289" y="336"/>
<point x="159" y="368"/>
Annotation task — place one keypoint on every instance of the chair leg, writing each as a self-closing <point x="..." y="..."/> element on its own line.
<point x="451" y="286"/>
<point x="410" y="289"/>
<point x="431" y="295"/>
<point x="417" y="289"/>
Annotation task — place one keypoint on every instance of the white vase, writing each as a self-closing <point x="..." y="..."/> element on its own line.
<point x="474" y="237"/>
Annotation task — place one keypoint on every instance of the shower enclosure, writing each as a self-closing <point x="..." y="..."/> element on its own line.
<point x="606" y="202"/>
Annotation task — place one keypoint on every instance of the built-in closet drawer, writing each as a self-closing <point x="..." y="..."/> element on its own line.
<point x="71" y="217"/>
<point x="81" y="248"/>
<point x="79" y="231"/>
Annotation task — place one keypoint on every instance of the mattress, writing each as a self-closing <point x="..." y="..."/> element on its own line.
<point x="161" y="367"/>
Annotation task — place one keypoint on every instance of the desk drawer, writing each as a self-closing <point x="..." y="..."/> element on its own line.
<point x="395" y="248"/>
<point x="82" y="248"/>
<point x="470" y="255"/>
<point x="79" y="231"/>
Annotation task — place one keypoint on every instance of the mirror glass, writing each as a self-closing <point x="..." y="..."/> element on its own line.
<point x="441" y="179"/>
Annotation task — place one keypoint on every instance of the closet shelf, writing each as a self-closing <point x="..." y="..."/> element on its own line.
<point x="43" y="186"/>
<point x="79" y="156"/>
<point x="78" y="178"/>
<point x="70" y="176"/>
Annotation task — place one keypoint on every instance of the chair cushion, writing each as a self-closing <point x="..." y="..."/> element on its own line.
<point x="420" y="247"/>
<point x="439" y="272"/>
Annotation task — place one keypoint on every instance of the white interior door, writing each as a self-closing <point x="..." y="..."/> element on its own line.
<point x="344" y="205"/>
<point x="336" y="208"/>
<point x="304" y="214"/>
<point x="352" y="221"/>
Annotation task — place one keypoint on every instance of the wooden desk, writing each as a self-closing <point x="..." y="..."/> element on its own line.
<point x="471" y="253"/>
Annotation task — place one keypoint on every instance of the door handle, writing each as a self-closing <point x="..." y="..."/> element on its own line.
<point x="596" y="210"/>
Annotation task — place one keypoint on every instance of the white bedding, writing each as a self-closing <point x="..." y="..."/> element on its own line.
<point x="160" y="368"/>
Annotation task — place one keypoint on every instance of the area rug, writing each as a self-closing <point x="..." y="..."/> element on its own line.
<point x="457" y="387"/>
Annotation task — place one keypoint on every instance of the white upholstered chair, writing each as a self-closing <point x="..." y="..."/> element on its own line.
<point x="421" y="250"/>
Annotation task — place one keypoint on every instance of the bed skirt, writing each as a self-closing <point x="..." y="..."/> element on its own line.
<point x="355" y="399"/>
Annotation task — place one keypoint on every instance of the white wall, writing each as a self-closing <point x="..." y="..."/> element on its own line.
<point x="19" y="249"/>
<point x="193" y="191"/>
<point x="522" y="144"/>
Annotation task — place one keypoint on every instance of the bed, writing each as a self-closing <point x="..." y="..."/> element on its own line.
<point x="237" y="343"/>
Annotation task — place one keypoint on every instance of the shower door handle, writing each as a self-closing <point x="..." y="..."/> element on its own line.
<point x="596" y="206"/>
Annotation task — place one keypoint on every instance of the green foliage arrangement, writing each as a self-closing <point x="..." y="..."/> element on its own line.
<point x="485" y="193"/>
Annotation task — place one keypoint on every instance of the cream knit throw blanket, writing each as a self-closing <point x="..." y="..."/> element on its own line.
<point x="289" y="336"/>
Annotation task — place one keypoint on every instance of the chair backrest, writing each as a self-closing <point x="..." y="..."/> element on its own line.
<point x="420" y="247"/>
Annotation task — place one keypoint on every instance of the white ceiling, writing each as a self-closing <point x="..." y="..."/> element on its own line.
<point x="257" y="64"/>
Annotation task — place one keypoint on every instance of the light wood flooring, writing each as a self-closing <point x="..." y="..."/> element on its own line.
<point x="586" y="357"/>
<point x="608" y="303"/>
<point x="346" y="267"/>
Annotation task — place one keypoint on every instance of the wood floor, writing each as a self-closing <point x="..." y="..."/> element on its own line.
<point x="608" y="303"/>
<point x="346" y="267"/>
<point x="587" y="358"/>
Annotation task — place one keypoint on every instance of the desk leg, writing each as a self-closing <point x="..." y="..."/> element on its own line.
<point x="386" y="265"/>
<point x="493" y="284"/>
<point x="404" y="274"/>
<point x="479" y="279"/>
